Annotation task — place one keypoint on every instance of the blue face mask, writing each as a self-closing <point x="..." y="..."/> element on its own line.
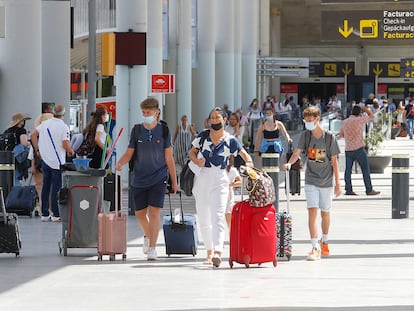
<point x="148" y="120"/>
<point x="310" y="125"/>
<point x="269" y="118"/>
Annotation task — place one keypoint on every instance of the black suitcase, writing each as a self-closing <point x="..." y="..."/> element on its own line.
<point x="294" y="181"/>
<point x="109" y="190"/>
<point x="22" y="200"/>
<point x="9" y="230"/>
<point x="180" y="234"/>
<point x="284" y="228"/>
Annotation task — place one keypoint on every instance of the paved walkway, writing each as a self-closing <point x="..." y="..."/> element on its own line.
<point x="371" y="266"/>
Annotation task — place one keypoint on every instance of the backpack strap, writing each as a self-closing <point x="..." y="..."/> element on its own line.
<point x="328" y="142"/>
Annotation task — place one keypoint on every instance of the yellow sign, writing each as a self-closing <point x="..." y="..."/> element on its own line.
<point x="345" y="32"/>
<point x="368" y="28"/>
<point x="393" y="70"/>
<point x="329" y="70"/>
<point x="377" y="70"/>
<point x="346" y="70"/>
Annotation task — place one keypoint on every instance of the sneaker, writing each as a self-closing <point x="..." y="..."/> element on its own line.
<point x="324" y="249"/>
<point x="46" y="218"/>
<point x="216" y="260"/>
<point x="315" y="254"/>
<point x="145" y="246"/>
<point x="56" y="219"/>
<point x="152" y="254"/>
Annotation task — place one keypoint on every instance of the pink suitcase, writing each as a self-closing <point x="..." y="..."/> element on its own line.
<point x="112" y="231"/>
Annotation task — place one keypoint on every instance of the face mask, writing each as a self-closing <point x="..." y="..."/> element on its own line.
<point x="269" y="118"/>
<point x="217" y="126"/>
<point x="148" y="120"/>
<point x="310" y="125"/>
<point x="106" y="118"/>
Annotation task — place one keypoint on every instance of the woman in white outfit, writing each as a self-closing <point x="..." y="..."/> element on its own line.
<point x="211" y="184"/>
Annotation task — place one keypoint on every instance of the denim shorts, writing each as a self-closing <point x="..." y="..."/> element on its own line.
<point x="319" y="197"/>
<point x="149" y="196"/>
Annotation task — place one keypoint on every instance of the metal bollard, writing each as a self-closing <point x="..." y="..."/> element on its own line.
<point x="270" y="165"/>
<point x="6" y="172"/>
<point x="400" y="185"/>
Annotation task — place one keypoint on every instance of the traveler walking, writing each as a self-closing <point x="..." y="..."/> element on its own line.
<point x="152" y="162"/>
<point x="352" y="130"/>
<point x="321" y="177"/>
<point x="409" y="115"/>
<point x="183" y="136"/>
<point x="211" y="184"/>
<point x="51" y="140"/>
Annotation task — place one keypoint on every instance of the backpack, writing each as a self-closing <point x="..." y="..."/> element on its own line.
<point x="328" y="142"/>
<point x="8" y="141"/>
<point x="137" y="129"/>
<point x="412" y="111"/>
<point x="87" y="147"/>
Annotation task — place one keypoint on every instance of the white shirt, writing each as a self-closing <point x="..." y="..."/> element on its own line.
<point x="59" y="132"/>
<point x="100" y="128"/>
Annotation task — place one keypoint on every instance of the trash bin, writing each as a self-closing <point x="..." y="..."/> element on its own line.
<point x="6" y="172"/>
<point x="400" y="185"/>
<point x="79" y="210"/>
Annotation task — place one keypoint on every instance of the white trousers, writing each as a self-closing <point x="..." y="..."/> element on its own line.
<point x="211" y="189"/>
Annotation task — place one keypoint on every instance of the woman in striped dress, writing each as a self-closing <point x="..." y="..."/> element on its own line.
<point x="183" y="136"/>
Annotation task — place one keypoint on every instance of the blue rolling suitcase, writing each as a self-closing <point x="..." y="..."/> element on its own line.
<point x="180" y="231"/>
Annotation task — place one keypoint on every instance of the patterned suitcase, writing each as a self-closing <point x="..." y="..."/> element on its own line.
<point x="284" y="227"/>
<point x="9" y="230"/>
<point x="112" y="229"/>
<point x="253" y="234"/>
<point x="180" y="234"/>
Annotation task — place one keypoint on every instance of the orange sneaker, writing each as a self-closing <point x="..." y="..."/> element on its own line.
<point x="324" y="249"/>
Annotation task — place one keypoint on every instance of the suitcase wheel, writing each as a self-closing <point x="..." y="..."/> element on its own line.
<point x="231" y="263"/>
<point x="124" y="256"/>
<point x="112" y="257"/>
<point x="193" y="250"/>
<point x="99" y="257"/>
<point x="275" y="262"/>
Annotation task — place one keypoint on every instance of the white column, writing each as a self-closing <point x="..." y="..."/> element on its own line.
<point x="204" y="75"/>
<point x="249" y="11"/>
<point x="225" y="54"/>
<point x="238" y="22"/>
<point x="154" y="44"/>
<point x="131" y="83"/>
<point x="20" y="61"/>
<point x="56" y="53"/>
<point x="264" y="45"/>
<point x="276" y="35"/>
<point x="180" y="60"/>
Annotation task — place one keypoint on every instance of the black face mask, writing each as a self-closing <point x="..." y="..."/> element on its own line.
<point x="217" y="126"/>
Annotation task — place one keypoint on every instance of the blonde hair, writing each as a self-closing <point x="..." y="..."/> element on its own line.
<point x="150" y="103"/>
<point x="312" y="111"/>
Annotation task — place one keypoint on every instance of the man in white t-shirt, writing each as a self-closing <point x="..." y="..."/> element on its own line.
<point x="51" y="140"/>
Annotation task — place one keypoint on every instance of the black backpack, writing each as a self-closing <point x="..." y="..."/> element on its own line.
<point x="8" y="140"/>
<point x="87" y="148"/>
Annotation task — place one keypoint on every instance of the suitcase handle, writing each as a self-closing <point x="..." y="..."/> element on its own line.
<point x="287" y="189"/>
<point x="3" y="206"/>
<point x="181" y="207"/>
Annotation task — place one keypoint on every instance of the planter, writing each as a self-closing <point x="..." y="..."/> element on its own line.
<point x="395" y="131"/>
<point x="377" y="163"/>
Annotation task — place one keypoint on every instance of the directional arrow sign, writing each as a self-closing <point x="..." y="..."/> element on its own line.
<point x="377" y="70"/>
<point x="346" y="70"/>
<point x="345" y="32"/>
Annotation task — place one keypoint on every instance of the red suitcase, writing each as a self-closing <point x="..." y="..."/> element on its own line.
<point x="253" y="234"/>
<point x="112" y="231"/>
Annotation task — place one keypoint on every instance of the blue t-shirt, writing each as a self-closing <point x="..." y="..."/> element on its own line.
<point x="150" y="167"/>
<point x="218" y="155"/>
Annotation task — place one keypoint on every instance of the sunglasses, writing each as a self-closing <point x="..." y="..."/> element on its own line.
<point x="150" y="136"/>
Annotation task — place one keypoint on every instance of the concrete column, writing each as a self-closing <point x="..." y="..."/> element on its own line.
<point x="131" y="82"/>
<point x="225" y="54"/>
<point x="179" y="60"/>
<point x="56" y="53"/>
<point x="276" y="35"/>
<point x="237" y="57"/>
<point x="264" y="46"/>
<point x="154" y="44"/>
<point x="249" y="12"/>
<point x="20" y="60"/>
<point x="203" y="79"/>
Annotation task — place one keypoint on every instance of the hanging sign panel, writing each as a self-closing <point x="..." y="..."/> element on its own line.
<point x="383" y="25"/>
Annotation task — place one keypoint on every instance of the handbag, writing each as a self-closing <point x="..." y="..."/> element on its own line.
<point x="259" y="186"/>
<point x="187" y="179"/>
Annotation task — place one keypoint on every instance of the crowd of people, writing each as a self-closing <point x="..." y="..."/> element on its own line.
<point x="217" y="150"/>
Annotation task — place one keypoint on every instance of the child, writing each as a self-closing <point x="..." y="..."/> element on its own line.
<point x="234" y="181"/>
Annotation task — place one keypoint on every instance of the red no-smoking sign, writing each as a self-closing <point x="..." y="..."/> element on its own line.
<point x="163" y="83"/>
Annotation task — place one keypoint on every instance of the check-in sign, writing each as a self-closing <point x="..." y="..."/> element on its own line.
<point x="367" y="25"/>
<point x="163" y="83"/>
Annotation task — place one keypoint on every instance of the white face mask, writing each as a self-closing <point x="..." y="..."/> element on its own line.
<point x="310" y="125"/>
<point x="106" y="117"/>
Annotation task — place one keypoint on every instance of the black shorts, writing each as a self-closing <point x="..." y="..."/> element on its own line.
<point x="150" y="196"/>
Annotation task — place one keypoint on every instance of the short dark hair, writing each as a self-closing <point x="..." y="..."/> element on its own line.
<point x="356" y="110"/>
<point x="46" y="106"/>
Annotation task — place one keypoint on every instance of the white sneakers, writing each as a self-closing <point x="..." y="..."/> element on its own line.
<point x="152" y="254"/>
<point x="145" y="246"/>
<point x="50" y="218"/>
